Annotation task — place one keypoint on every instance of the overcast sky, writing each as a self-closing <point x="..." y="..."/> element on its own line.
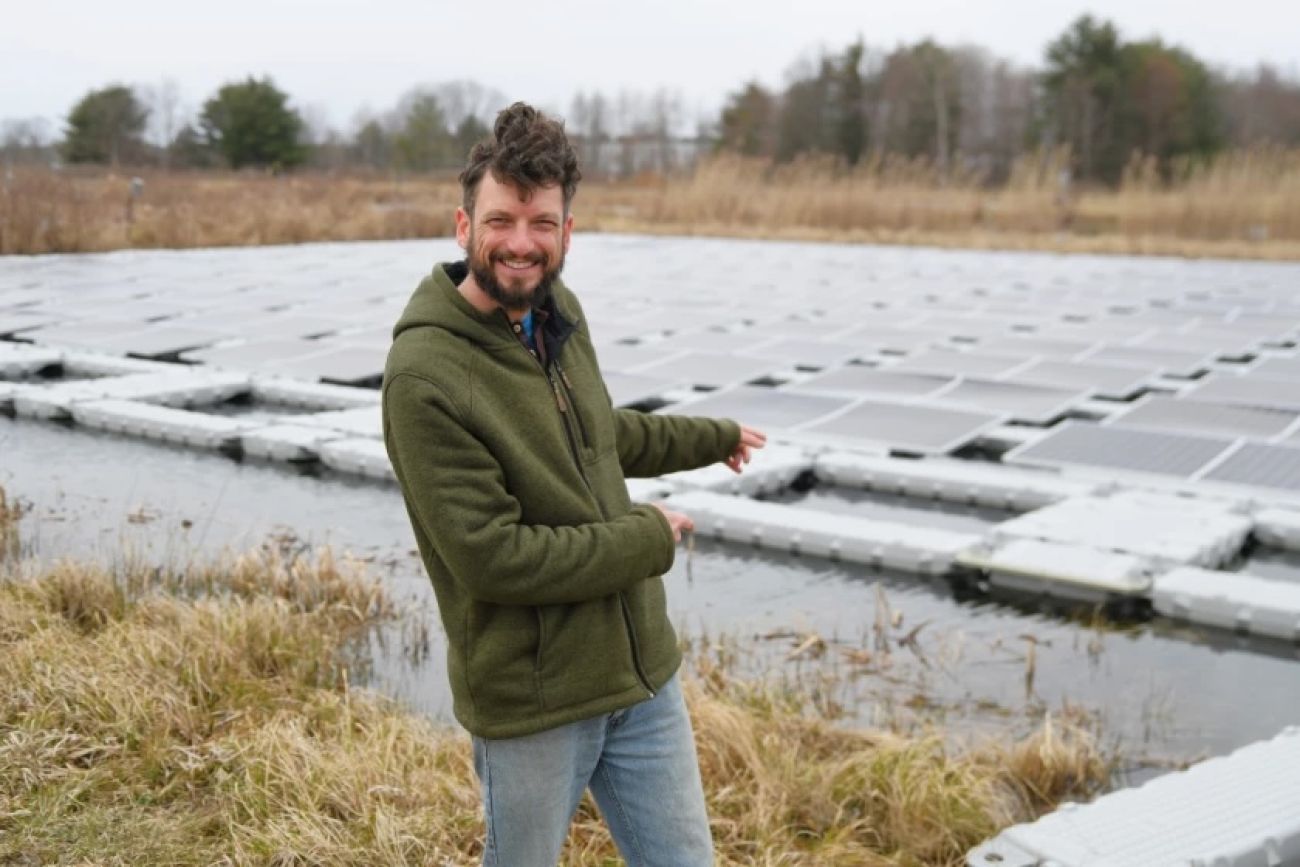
<point x="338" y="57"/>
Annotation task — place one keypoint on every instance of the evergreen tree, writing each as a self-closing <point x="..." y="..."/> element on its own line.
<point x="106" y="126"/>
<point x="251" y="124"/>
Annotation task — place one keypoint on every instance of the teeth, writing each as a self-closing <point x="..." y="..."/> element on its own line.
<point x="517" y="264"/>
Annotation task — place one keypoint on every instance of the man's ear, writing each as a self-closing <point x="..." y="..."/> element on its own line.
<point x="463" y="223"/>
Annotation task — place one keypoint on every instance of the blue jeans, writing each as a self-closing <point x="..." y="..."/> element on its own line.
<point x="641" y="766"/>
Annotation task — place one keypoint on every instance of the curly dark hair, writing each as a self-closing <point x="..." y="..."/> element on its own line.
<point x="527" y="149"/>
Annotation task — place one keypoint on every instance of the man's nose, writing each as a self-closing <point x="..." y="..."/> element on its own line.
<point x="518" y="242"/>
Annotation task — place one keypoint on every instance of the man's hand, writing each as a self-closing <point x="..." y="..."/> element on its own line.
<point x="679" y="522"/>
<point x="750" y="439"/>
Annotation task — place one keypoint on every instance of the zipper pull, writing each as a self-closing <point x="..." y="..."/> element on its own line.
<point x="559" y="396"/>
<point x="564" y="376"/>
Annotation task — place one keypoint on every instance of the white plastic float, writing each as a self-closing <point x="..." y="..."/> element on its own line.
<point x="1238" y="810"/>
<point x="88" y="362"/>
<point x="311" y="395"/>
<point x="363" y="421"/>
<point x="1230" y="600"/>
<point x="21" y="359"/>
<point x="1279" y="528"/>
<point x="287" y="442"/>
<point x="881" y="544"/>
<point x="772" y="469"/>
<point x="648" y="490"/>
<point x="178" y="387"/>
<point x="1169" y="530"/>
<point x="950" y="481"/>
<point x="366" y="457"/>
<point x="1061" y="569"/>
<point x="161" y="423"/>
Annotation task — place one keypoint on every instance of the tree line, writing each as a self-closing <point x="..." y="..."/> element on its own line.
<point x="1108" y="99"/>
<point x="960" y="109"/>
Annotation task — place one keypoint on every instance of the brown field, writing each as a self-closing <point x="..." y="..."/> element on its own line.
<point x="206" y="716"/>
<point x="1242" y="205"/>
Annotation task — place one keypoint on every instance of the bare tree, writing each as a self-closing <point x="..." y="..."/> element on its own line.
<point x="164" y="102"/>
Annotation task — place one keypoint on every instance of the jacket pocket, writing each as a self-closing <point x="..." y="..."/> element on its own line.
<point x="502" y="651"/>
<point x="586" y="654"/>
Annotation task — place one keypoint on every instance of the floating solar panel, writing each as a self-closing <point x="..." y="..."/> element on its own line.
<point x="253" y="355"/>
<point x="90" y="333"/>
<point x="1028" y="347"/>
<point x="1248" y="391"/>
<point x="1021" y="401"/>
<point x="1260" y="465"/>
<point x="158" y="341"/>
<point x="1102" y="379"/>
<point x="1154" y="360"/>
<point x="877" y="338"/>
<point x="1173" y="414"/>
<point x="859" y="379"/>
<point x="347" y="365"/>
<point x="907" y="426"/>
<point x="764" y="407"/>
<point x="710" y="369"/>
<point x="291" y="325"/>
<point x="1076" y="443"/>
<point x="623" y="357"/>
<point x="709" y="340"/>
<point x="628" y="389"/>
<point x="1278" y="368"/>
<point x="813" y="353"/>
<point x="951" y="362"/>
<point x="1210" y="344"/>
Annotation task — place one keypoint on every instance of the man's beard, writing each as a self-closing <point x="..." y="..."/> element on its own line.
<point x="508" y="297"/>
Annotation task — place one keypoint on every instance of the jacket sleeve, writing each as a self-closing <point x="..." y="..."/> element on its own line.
<point x="455" y="491"/>
<point x="651" y="445"/>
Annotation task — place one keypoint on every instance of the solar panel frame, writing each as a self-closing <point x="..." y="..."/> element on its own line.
<point x="955" y="362"/>
<point x="1160" y="412"/>
<point x="1258" y="465"/>
<point x="1114" y="447"/>
<point x="763" y="407"/>
<point x="710" y="369"/>
<point x="1028" y="402"/>
<point x="934" y="429"/>
<point x="1147" y="358"/>
<point x="860" y="380"/>
<point x="1247" y="390"/>
<point x="1108" y="380"/>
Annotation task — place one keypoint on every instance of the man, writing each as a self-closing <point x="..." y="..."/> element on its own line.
<point x="562" y="660"/>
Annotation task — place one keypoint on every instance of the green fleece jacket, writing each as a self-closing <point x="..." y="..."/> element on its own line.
<point x="546" y="575"/>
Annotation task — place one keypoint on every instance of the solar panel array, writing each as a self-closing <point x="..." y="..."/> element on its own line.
<point x="882" y="348"/>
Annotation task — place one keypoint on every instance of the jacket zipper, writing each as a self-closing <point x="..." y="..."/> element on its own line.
<point x="577" y="417"/>
<point x="564" y="406"/>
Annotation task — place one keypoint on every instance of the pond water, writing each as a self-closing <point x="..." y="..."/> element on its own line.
<point x="1158" y="690"/>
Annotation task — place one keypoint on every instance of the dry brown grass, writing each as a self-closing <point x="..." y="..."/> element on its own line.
<point x="1243" y="204"/>
<point x="79" y="211"/>
<point x="151" y="717"/>
<point x="10" y="514"/>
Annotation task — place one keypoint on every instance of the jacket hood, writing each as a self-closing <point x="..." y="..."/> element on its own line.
<point x="437" y="303"/>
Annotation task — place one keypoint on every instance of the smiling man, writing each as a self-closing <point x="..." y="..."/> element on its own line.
<point x="511" y="458"/>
